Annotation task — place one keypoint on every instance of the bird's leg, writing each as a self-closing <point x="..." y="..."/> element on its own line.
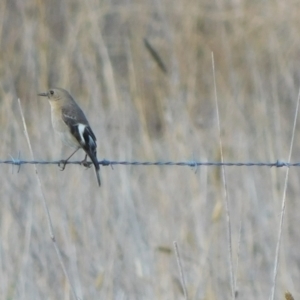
<point x="64" y="162"/>
<point x="86" y="163"/>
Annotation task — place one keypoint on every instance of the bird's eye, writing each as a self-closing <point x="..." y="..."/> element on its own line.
<point x="51" y="92"/>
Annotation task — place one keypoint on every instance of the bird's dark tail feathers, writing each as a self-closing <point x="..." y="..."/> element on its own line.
<point x="93" y="157"/>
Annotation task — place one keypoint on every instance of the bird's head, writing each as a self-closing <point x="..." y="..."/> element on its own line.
<point x="55" y="94"/>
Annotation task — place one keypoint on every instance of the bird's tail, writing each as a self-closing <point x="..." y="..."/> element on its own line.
<point x="97" y="167"/>
<point x="98" y="175"/>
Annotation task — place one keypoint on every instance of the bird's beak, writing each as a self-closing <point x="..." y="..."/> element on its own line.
<point x="43" y="94"/>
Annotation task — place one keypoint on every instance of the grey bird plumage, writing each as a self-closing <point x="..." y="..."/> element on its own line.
<point x="72" y="126"/>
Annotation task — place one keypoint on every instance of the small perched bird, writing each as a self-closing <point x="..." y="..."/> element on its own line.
<point x="70" y="123"/>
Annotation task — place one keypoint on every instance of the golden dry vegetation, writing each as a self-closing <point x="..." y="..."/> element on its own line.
<point x="117" y="241"/>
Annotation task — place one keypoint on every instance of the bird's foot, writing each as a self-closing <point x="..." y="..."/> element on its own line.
<point x="86" y="163"/>
<point x="63" y="163"/>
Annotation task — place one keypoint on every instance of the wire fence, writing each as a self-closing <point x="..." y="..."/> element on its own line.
<point x="277" y="164"/>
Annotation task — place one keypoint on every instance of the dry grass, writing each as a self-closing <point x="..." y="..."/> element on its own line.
<point x="117" y="241"/>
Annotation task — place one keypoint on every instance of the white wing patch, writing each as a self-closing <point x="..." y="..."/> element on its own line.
<point x="81" y="129"/>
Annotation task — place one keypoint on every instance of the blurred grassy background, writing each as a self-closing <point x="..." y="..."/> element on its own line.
<point x="117" y="241"/>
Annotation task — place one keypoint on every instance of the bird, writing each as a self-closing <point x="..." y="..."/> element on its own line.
<point x="71" y="124"/>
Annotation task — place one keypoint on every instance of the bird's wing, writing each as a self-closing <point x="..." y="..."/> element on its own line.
<point x="80" y="128"/>
<point x="73" y="115"/>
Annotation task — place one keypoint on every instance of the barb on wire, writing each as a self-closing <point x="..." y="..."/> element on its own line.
<point x="193" y="164"/>
<point x="16" y="161"/>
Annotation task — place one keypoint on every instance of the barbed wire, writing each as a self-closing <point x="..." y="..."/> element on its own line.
<point x="277" y="164"/>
